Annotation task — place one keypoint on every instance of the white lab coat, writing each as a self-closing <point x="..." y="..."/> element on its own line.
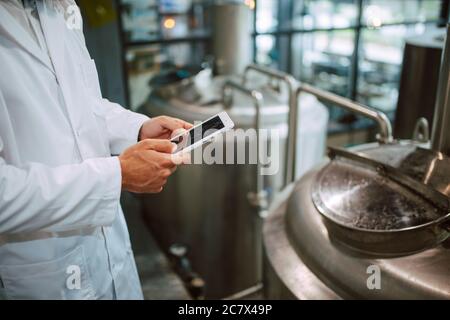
<point x="62" y="231"/>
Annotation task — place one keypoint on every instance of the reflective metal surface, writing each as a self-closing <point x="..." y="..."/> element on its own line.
<point x="231" y="41"/>
<point x="286" y="276"/>
<point x="419" y="81"/>
<point x="187" y="82"/>
<point x="207" y="207"/>
<point x="441" y="137"/>
<point x="383" y="122"/>
<point x="386" y="200"/>
<point x="368" y="203"/>
<point x="259" y="197"/>
<point x="311" y="266"/>
<point x="415" y="160"/>
<point x="157" y="277"/>
<point x="422" y="131"/>
<point x="358" y="197"/>
<point x="291" y="84"/>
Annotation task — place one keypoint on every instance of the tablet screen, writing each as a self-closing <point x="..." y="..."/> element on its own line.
<point x="198" y="133"/>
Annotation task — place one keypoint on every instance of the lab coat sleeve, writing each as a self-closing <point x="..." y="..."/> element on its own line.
<point x="63" y="198"/>
<point x="123" y="126"/>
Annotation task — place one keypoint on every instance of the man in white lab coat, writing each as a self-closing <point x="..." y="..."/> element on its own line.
<point x="62" y="231"/>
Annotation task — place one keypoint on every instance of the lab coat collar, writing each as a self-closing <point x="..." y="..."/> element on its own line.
<point x="51" y="20"/>
<point x="15" y="33"/>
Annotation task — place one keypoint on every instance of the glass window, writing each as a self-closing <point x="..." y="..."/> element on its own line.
<point x="266" y="50"/>
<point x="430" y="9"/>
<point x="161" y="34"/>
<point x="324" y="14"/>
<point x="151" y="20"/>
<point x="324" y="59"/>
<point x="140" y="20"/>
<point x="315" y="40"/>
<point x="379" y="12"/>
<point x="174" y="6"/>
<point x="272" y="51"/>
<point x="380" y="61"/>
<point x="266" y="15"/>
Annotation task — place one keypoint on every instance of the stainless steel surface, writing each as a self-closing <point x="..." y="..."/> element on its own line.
<point x="415" y="160"/>
<point x="189" y="88"/>
<point x="291" y="84"/>
<point x="253" y="293"/>
<point x="308" y="265"/>
<point x="208" y="102"/>
<point x="231" y="37"/>
<point x="205" y="206"/>
<point x="158" y="279"/>
<point x="412" y="214"/>
<point x="257" y="198"/>
<point x="384" y="170"/>
<point x="419" y="81"/>
<point x="286" y="276"/>
<point x="373" y="207"/>
<point x="421" y="132"/>
<point x="441" y="136"/>
<point x="383" y="122"/>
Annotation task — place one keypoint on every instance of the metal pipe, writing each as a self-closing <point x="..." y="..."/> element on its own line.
<point x="440" y="140"/>
<point x="258" y="198"/>
<point x="422" y="131"/>
<point x="293" y="114"/>
<point x="383" y="122"/>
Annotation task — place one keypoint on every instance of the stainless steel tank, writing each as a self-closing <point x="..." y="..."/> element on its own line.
<point x="217" y="210"/>
<point x="232" y="41"/>
<point x="308" y="256"/>
<point x="419" y="80"/>
<point x="301" y="262"/>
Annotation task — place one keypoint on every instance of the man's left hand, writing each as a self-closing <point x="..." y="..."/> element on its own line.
<point x="162" y="128"/>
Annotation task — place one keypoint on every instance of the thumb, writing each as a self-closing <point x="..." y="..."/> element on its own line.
<point x="178" y="132"/>
<point x="164" y="146"/>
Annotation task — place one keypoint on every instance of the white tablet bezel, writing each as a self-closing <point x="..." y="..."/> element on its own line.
<point x="228" y="125"/>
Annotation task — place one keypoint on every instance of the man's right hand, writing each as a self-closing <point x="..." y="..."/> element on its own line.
<point x="147" y="165"/>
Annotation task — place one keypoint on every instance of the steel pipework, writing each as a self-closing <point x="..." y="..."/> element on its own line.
<point x="291" y="84"/>
<point x="258" y="198"/>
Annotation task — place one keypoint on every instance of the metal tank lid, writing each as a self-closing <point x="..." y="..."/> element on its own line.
<point x="420" y="275"/>
<point x="390" y="187"/>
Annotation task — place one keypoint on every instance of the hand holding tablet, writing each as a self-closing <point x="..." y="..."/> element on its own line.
<point x="203" y="133"/>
